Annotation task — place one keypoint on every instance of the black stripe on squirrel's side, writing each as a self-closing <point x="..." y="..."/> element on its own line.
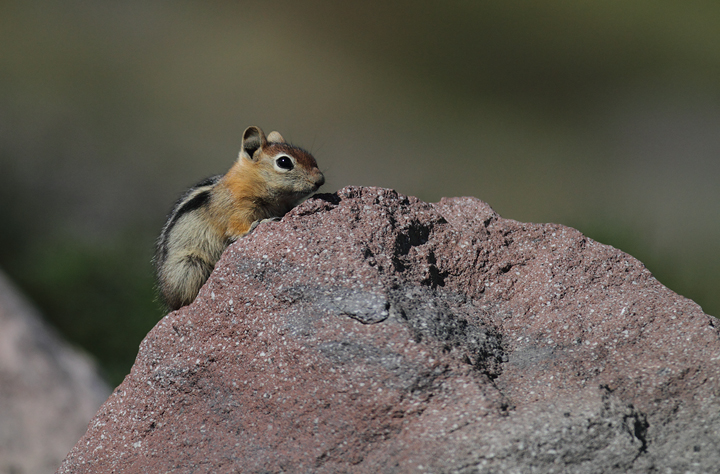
<point x="187" y="205"/>
<point x="269" y="178"/>
<point x="190" y="200"/>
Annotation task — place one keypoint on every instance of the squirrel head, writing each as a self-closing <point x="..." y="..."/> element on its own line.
<point x="289" y="173"/>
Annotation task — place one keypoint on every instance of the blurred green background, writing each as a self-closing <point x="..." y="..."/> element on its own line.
<point x="604" y="116"/>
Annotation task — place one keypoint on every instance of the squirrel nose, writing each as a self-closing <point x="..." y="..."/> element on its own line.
<point x="320" y="181"/>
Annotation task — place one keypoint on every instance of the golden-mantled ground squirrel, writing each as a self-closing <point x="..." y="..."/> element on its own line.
<point x="268" y="179"/>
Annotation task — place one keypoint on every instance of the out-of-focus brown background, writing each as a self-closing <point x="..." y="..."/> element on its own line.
<point x="604" y="116"/>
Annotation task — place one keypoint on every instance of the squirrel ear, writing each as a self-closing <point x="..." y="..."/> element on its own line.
<point x="275" y="137"/>
<point x="253" y="140"/>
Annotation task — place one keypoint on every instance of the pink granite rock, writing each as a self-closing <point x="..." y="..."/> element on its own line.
<point x="372" y="332"/>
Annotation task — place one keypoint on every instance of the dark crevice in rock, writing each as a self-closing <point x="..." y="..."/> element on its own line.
<point x="415" y="234"/>
<point x="331" y="198"/>
<point x="434" y="321"/>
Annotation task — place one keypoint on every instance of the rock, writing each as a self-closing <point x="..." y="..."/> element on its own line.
<point x="48" y="390"/>
<point x="372" y="332"/>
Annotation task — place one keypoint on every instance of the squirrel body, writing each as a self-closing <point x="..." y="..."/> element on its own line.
<point x="269" y="178"/>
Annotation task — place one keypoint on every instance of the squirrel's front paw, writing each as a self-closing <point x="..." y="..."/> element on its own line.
<point x="258" y="222"/>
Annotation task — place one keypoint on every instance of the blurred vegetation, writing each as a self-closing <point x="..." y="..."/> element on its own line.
<point x="602" y="116"/>
<point x="99" y="297"/>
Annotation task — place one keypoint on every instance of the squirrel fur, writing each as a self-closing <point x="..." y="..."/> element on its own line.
<point x="269" y="178"/>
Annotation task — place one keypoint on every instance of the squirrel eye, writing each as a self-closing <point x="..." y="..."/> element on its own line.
<point x="284" y="162"/>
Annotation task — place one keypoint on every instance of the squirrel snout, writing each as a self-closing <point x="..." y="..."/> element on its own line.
<point x="320" y="180"/>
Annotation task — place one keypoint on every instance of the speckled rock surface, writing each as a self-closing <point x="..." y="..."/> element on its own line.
<point x="372" y="332"/>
